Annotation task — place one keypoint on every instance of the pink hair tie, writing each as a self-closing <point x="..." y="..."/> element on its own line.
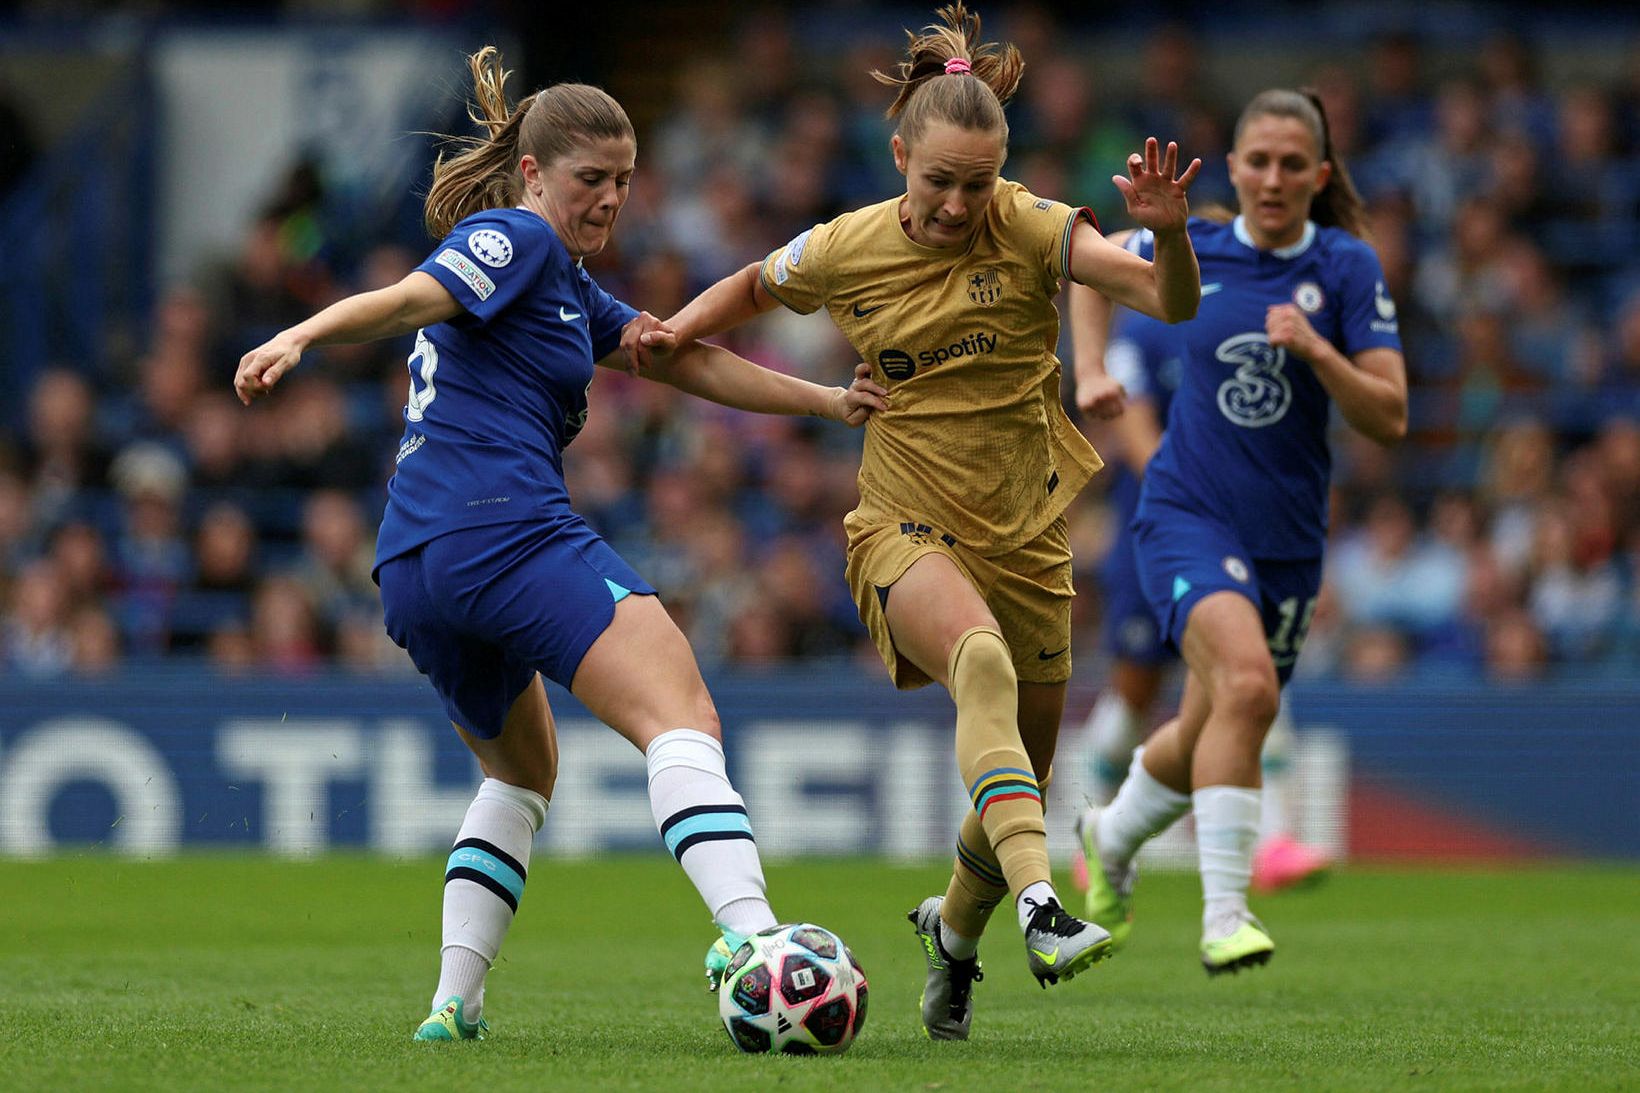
<point x="956" y="66"/>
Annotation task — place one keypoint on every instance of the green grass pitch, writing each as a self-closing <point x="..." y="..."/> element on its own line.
<point x="217" y="973"/>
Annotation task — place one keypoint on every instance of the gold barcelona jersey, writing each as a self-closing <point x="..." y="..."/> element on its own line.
<point x="975" y="442"/>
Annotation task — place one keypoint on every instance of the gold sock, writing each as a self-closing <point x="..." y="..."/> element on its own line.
<point x="995" y="767"/>
<point x="977" y="884"/>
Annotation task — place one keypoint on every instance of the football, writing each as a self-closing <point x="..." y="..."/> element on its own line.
<point x="795" y="989"/>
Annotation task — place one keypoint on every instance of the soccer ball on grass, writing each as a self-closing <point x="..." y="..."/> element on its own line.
<point x="794" y="989"/>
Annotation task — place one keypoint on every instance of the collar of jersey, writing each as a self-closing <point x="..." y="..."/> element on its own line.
<point x="1292" y="250"/>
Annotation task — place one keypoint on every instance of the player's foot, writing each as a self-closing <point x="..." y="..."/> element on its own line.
<point x="1234" y="942"/>
<point x="1284" y="862"/>
<point x="449" y="1023"/>
<point x="947" y="1009"/>
<point x="1059" y="945"/>
<point x="1106" y="904"/>
<point x="718" y="957"/>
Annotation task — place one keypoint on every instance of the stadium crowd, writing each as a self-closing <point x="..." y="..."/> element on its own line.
<point x="145" y="514"/>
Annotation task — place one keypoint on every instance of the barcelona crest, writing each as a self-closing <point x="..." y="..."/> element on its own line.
<point x="985" y="285"/>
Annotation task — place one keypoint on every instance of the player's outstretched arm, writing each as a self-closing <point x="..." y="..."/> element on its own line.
<point x="1168" y="288"/>
<point x="414" y="302"/>
<point x="732" y="301"/>
<point x="713" y="373"/>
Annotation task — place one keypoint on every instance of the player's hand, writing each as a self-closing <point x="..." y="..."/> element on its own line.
<point x="1289" y="328"/>
<point x="1155" y="197"/>
<point x="263" y="366"/>
<point x="854" y="404"/>
<point x="1100" y="398"/>
<point x="645" y="339"/>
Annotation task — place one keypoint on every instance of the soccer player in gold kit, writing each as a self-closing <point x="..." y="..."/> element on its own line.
<point x="957" y="554"/>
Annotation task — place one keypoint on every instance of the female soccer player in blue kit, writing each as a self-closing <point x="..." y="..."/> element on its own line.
<point x="1232" y="516"/>
<point x="489" y="579"/>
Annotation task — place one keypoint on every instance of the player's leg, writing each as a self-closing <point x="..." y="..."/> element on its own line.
<point x="939" y="622"/>
<point x="499" y="708"/>
<point x="1225" y="646"/>
<point x="1117" y="723"/>
<point x="1281" y="860"/>
<point x="489" y="864"/>
<point x="640" y="678"/>
<point x="1144" y="806"/>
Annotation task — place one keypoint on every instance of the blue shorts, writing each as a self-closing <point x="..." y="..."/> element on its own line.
<point x="1128" y="630"/>
<point x="481" y="610"/>
<point x="1184" y="557"/>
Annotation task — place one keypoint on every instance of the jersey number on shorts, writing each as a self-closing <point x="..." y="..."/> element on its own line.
<point x="1289" y="637"/>
<point x="416" y="408"/>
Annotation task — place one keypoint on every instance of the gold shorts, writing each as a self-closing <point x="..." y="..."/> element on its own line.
<point x="1028" y="590"/>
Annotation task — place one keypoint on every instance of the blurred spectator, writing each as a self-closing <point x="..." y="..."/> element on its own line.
<point x="1515" y="649"/>
<point x="63" y="455"/>
<point x="151" y="560"/>
<point x="284" y="632"/>
<point x="1390" y="577"/>
<point x="94" y="642"/>
<point x="224" y="576"/>
<point x="337" y="556"/>
<point x="1375" y="654"/>
<point x="34" y="634"/>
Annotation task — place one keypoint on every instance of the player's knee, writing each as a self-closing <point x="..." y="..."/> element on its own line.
<point x="981" y="659"/>
<point x="1250" y="693"/>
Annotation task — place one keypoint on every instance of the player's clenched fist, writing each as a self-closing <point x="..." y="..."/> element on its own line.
<point x="263" y="366"/>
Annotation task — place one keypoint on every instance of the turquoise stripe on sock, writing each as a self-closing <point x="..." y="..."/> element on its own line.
<point x="1005" y="791"/>
<point x="471" y="857"/>
<point x="616" y="592"/>
<point x="694" y="825"/>
<point x="997" y="772"/>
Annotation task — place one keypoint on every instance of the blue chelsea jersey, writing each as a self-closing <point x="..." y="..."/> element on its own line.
<point x="1246" y="441"/>
<point x="1145" y="356"/>
<point x="499" y="390"/>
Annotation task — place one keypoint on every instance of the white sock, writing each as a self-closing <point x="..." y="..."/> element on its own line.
<point x="483" y="883"/>
<point x="1114" y="729"/>
<point x="1034" y="896"/>
<point x="1226" y="830"/>
<point x="1276" y="762"/>
<point x="1143" y="807"/>
<point x="704" y="824"/>
<point x="955" y="945"/>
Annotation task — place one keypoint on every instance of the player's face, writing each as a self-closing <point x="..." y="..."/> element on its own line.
<point x="581" y="192"/>
<point x="950" y="177"/>
<point x="1277" y="170"/>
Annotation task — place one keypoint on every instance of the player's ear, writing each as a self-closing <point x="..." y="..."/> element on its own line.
<point x="531" y="170"/>
<point x="1323" y="175"/>
<point x="900" y="152"/>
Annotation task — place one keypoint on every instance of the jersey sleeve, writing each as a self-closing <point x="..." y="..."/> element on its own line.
<point x="1367" y="317"/>
<point x="797" y="275"/>
<point x="486" y="263"/>
<point x="1043" y="229"/>
<point x="606" y="318"/>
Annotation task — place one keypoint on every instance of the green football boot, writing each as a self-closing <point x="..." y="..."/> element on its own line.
<point x="1107" y="904"/>
<point x="447" y="1023"/>
<point x="719" y="955"/>
<point x="1246" y="945"/>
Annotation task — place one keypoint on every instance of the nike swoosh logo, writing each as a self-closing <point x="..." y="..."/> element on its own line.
<point x="1210" y="288"/>
<point x="1050" y="959"/>
<point x="862" y="312"/>
<point x="1045" y="655"/>
<point x="567" y="315"/>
